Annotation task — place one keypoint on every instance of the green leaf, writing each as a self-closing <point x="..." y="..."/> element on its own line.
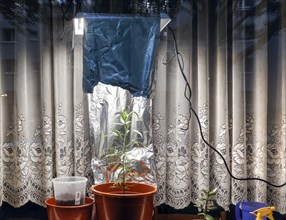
<point x="138" y="132"/>
<point x="208" y="217"/>
<point x="212" y="208"/>
<point x="206" y="192"/>
<point x="127" y="122"/>
<point x="201" y="200"/>
<point x="122" y="121"/>
<point x="200" y="203"/>
<point x="118" y="123"/>
<point x="213" y="192"/>
<point x="116" y="133"/>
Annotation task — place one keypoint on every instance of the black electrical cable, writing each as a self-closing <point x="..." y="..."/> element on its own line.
<point x="65" y="7"/>
<point x="187" y="90"/>
<point x="191" y="110"/>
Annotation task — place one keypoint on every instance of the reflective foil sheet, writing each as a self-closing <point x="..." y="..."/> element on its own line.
<point x="104" y="103"/>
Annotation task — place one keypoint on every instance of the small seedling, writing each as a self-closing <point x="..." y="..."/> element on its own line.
<point x="206" y="203"/>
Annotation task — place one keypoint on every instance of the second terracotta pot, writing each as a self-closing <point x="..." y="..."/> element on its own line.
<point x="134" y="204"/>
<point x="80" y="212"/>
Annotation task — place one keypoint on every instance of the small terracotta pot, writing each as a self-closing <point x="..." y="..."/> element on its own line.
<point x="134" y="204"/>
<point x="80" y="212"/>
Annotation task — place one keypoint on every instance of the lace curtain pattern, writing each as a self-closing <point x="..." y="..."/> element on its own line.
<point x="234" y="57"/>
<point x="44" y="124"/>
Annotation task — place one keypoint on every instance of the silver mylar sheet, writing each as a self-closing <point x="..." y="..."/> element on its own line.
<point x="104" y="103"/>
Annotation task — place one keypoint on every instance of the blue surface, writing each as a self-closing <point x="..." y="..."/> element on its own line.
<point x="120" y="50"/>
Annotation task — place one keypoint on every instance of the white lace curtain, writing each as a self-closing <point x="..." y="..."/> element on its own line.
<point x="233" y="54"/>
<point x="44" y="125"/>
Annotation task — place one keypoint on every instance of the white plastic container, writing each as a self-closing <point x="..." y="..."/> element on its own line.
<point x="69" y="190"/>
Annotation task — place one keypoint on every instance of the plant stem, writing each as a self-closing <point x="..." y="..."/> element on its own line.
<point x="206" y="206"/>
<point x="124" y="156"/>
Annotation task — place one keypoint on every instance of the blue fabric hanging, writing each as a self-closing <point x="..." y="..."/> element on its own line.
<point x="120" y="50"/>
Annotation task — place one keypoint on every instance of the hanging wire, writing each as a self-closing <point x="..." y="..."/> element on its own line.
<point x="180" y="61"/>
<point x="66" y="7"/>
<point x="187" y="95"/>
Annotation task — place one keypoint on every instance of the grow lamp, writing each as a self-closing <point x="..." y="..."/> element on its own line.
<point x="78" y="26"/>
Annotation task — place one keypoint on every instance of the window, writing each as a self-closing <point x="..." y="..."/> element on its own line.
<point x="9" y="66"/>
<point x="33" y="35"/>
<point x="8" y="35"/>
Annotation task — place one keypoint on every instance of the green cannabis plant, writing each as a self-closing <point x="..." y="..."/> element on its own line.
<point x="124" y="140"/>
<point x="207" y="203"/>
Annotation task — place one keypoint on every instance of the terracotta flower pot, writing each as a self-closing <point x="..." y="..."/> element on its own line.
<point x="80" y="212"/>
<point x="136" y="203"/>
